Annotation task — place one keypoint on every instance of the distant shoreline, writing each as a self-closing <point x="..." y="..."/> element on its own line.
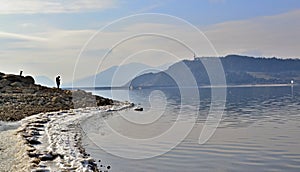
<point x="202" y="86"/>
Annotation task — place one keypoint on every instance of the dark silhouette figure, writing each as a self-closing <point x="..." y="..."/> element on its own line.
<point x="21" y="72"/>
<point x="57" y="81"/>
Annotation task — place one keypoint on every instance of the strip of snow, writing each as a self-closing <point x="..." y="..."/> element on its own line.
<point x="54" y="139"/>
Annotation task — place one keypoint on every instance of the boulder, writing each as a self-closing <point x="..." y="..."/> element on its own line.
<point x="16" y="78"/>
<point x="13" y="78"/>
<point x="28" y="80"/>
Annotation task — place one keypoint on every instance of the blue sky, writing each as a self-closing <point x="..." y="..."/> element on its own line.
<point x="198" y="12"/>
<point x="45" y="37"/>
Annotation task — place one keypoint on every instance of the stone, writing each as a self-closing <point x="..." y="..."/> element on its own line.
<point x="28" y="80"/>
<point x="40" y="170"/>
<point x="35" y="161"/>
<point x="32" y="154"/>
<point x="34" y="133"/>
<point x="48" y="156"/>
<point x="54" y="99"/>
<point x="16" y="84"/>
<point x="13" y="78"/>
<point x="4" y="83"/>
<point x="33" y="141"/>
<point x="28" y="91"/>
<point x="31" y="149"/>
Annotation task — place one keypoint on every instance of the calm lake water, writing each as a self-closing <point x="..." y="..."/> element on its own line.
<point x="259" y="131"/>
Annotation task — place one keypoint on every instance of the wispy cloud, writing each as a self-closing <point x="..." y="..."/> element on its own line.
<point x="53" y="6"/>
<point x="21" y="37"/>
<point x="269" y="36"/>
<point x="149" y="8"/>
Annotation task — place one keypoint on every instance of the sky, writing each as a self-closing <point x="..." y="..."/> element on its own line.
<point x="79" y="38"/>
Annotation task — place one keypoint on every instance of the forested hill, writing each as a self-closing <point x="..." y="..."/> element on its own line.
<point x="252" y="64"/>
<point x="238" y="70"/>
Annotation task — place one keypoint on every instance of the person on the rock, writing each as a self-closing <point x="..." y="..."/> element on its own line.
<point x="58" y="81"/>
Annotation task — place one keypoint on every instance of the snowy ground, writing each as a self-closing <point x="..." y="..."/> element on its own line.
<point x="48" y="142"/>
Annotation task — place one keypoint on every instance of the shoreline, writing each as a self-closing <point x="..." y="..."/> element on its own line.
<point x="52" y="141"/>
<point x="49" y="135"/>
<point x="200" y="86"/>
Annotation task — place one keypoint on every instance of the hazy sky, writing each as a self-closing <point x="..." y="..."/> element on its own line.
<point x="46" y="37"/>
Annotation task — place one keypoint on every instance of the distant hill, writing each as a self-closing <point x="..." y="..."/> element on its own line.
<point x="115" y="76"/>
<point x="238" y="70"/>
<point x="44" y="80"/>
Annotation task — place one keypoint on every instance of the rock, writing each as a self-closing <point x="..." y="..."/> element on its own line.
<point x="139" y="109"/>
<point x="20" y="97"/>
<point x="34" y="133"/>
<point x="31" y="149"/>
<point x="32" y="154"/>
<point x="28" y="91"/>
<point x="13" y="78"/>
<point x="16" y="78"/>
<point x="40" y="170"/>
<point x="33" y="141"/>
<point x="48" y="157"/>
<point x="35" y="160"/>
<point x="37" y="125"/>
<point x="54" y="99"/>
<point x="28" y="80"/>
<point x="42" y="121"/>
<point x="4" y="83"/>
<point x="32" y="166"/>
<point x="16" y="84"/>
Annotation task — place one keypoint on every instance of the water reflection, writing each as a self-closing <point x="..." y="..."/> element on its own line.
<point x="258" y="132"/>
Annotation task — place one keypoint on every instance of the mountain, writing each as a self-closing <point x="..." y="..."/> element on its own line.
<point x="115" y="76"/>
<point x="237" y="69"/>
<point x="44" y="80"/>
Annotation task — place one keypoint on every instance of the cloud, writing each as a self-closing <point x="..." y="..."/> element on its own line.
<point x="21" y="37"/>
<point x="276" y="35"/>
<point x="150" y="7"/>
<point x="56" y="50"/>
<point x="53" y="6"/>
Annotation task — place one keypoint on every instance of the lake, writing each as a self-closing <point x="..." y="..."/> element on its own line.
<point x="259" y="131"/>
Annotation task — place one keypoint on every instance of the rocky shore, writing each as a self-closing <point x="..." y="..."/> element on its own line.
<point x="49" y="134"/>
<point x="21" y="97"/>
<point x="53" y="139"/>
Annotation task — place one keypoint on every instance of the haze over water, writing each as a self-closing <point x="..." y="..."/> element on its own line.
<point x="259" y="131"/>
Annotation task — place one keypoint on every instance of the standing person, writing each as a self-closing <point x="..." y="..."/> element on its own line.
<point x="21" y="72"/>
<point x="57" y="81"/>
